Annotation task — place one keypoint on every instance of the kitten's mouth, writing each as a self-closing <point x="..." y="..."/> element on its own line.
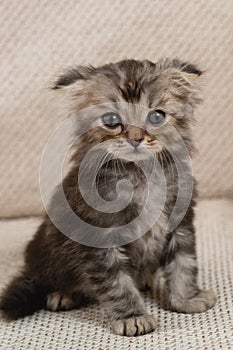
<point x="136" y="150"/>
<point x="135" y="153"/>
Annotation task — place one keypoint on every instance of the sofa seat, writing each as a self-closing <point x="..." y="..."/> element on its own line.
<point x="88" y="329"/>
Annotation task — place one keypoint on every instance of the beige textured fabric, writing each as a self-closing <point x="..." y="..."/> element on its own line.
<point x="40" y="37"/>
<point x="87" y="329"/>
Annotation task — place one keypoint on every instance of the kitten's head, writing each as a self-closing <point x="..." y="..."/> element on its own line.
<point x="134" y="106"/>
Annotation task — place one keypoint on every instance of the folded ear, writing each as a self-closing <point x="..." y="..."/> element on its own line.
<point x="72" y="76"/>
<point x="183" y="79"/>
<point x="186" y="67"/>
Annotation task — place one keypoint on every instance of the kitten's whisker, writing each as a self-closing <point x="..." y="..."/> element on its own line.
<point x="114" y="162"/>
<point x="171" y="169"/>
<point x="106" y="168"/>
<point x="124" y="170"/>
<point x="118" y="166"/>
<point x="169" y="162"/>
<point x="98" y="170"/>
<point x="153" y="165"/>
<point x="123" y="165"/>
<point x="161" y="159"/>
<point x="99" y="165"/>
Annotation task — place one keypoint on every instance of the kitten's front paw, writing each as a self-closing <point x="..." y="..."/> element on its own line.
<point x="205" y="300"/>
<point x="134" y="326"/>
<point x="59" y="302"/>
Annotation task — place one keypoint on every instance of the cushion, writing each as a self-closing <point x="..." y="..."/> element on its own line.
<point x="87" y="328"/>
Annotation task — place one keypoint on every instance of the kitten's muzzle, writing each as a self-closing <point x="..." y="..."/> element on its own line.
<point x="134" y="143"/>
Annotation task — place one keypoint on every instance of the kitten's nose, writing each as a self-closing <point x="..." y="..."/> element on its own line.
<point x="135" y="135"/>
<point x="134" y="143"/>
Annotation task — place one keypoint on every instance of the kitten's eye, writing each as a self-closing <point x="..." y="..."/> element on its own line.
<point x="111" y="120"/>
<point x="156" y="117"/>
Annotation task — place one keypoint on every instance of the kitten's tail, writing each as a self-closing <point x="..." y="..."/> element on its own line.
<point x="23" y="296"/>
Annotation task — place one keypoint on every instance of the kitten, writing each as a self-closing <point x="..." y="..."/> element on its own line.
<point x="144" y="120"/>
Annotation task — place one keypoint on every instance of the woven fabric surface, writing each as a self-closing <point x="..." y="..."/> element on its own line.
<point x="87" y="329"/>
<point x="38" y="38"/>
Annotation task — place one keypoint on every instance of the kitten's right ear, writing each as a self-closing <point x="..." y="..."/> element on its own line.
<point x="72" y="76"/>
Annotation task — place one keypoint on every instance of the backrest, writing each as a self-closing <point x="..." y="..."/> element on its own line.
<point x="38" y="38"/>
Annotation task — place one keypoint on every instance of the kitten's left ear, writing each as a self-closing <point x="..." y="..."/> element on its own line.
<point x="187" y="68"/>
<point x="184" y="79"/>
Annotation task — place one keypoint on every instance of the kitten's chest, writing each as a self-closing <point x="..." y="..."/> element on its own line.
<point x="139" y="199"/>
<point x="133" y="186"/>
<point x="146" y="251"/>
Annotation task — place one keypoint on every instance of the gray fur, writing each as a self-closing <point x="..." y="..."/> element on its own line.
<point x="63" y="273"/>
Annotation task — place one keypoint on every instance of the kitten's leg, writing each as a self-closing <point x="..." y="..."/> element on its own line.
<point x="181" y="276"/>
<point x="126" y="306"/>
<point x="58" y="301"/>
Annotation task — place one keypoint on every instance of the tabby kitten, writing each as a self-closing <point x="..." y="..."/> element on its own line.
<point x="146" y="105"/>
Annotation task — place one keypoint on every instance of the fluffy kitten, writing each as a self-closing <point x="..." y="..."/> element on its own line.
<point x="59" y="272"/>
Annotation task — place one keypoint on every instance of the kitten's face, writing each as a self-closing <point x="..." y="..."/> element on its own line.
<point x="136" y="108"/>
<point x="131" y="131"/>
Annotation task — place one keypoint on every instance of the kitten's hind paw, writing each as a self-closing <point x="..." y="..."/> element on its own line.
<point x="205" y="300"/>
<point x="134" y="326"/>
<point x="59" y="302"/>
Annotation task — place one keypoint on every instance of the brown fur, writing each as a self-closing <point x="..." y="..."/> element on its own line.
<point x="60" y="273"/>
